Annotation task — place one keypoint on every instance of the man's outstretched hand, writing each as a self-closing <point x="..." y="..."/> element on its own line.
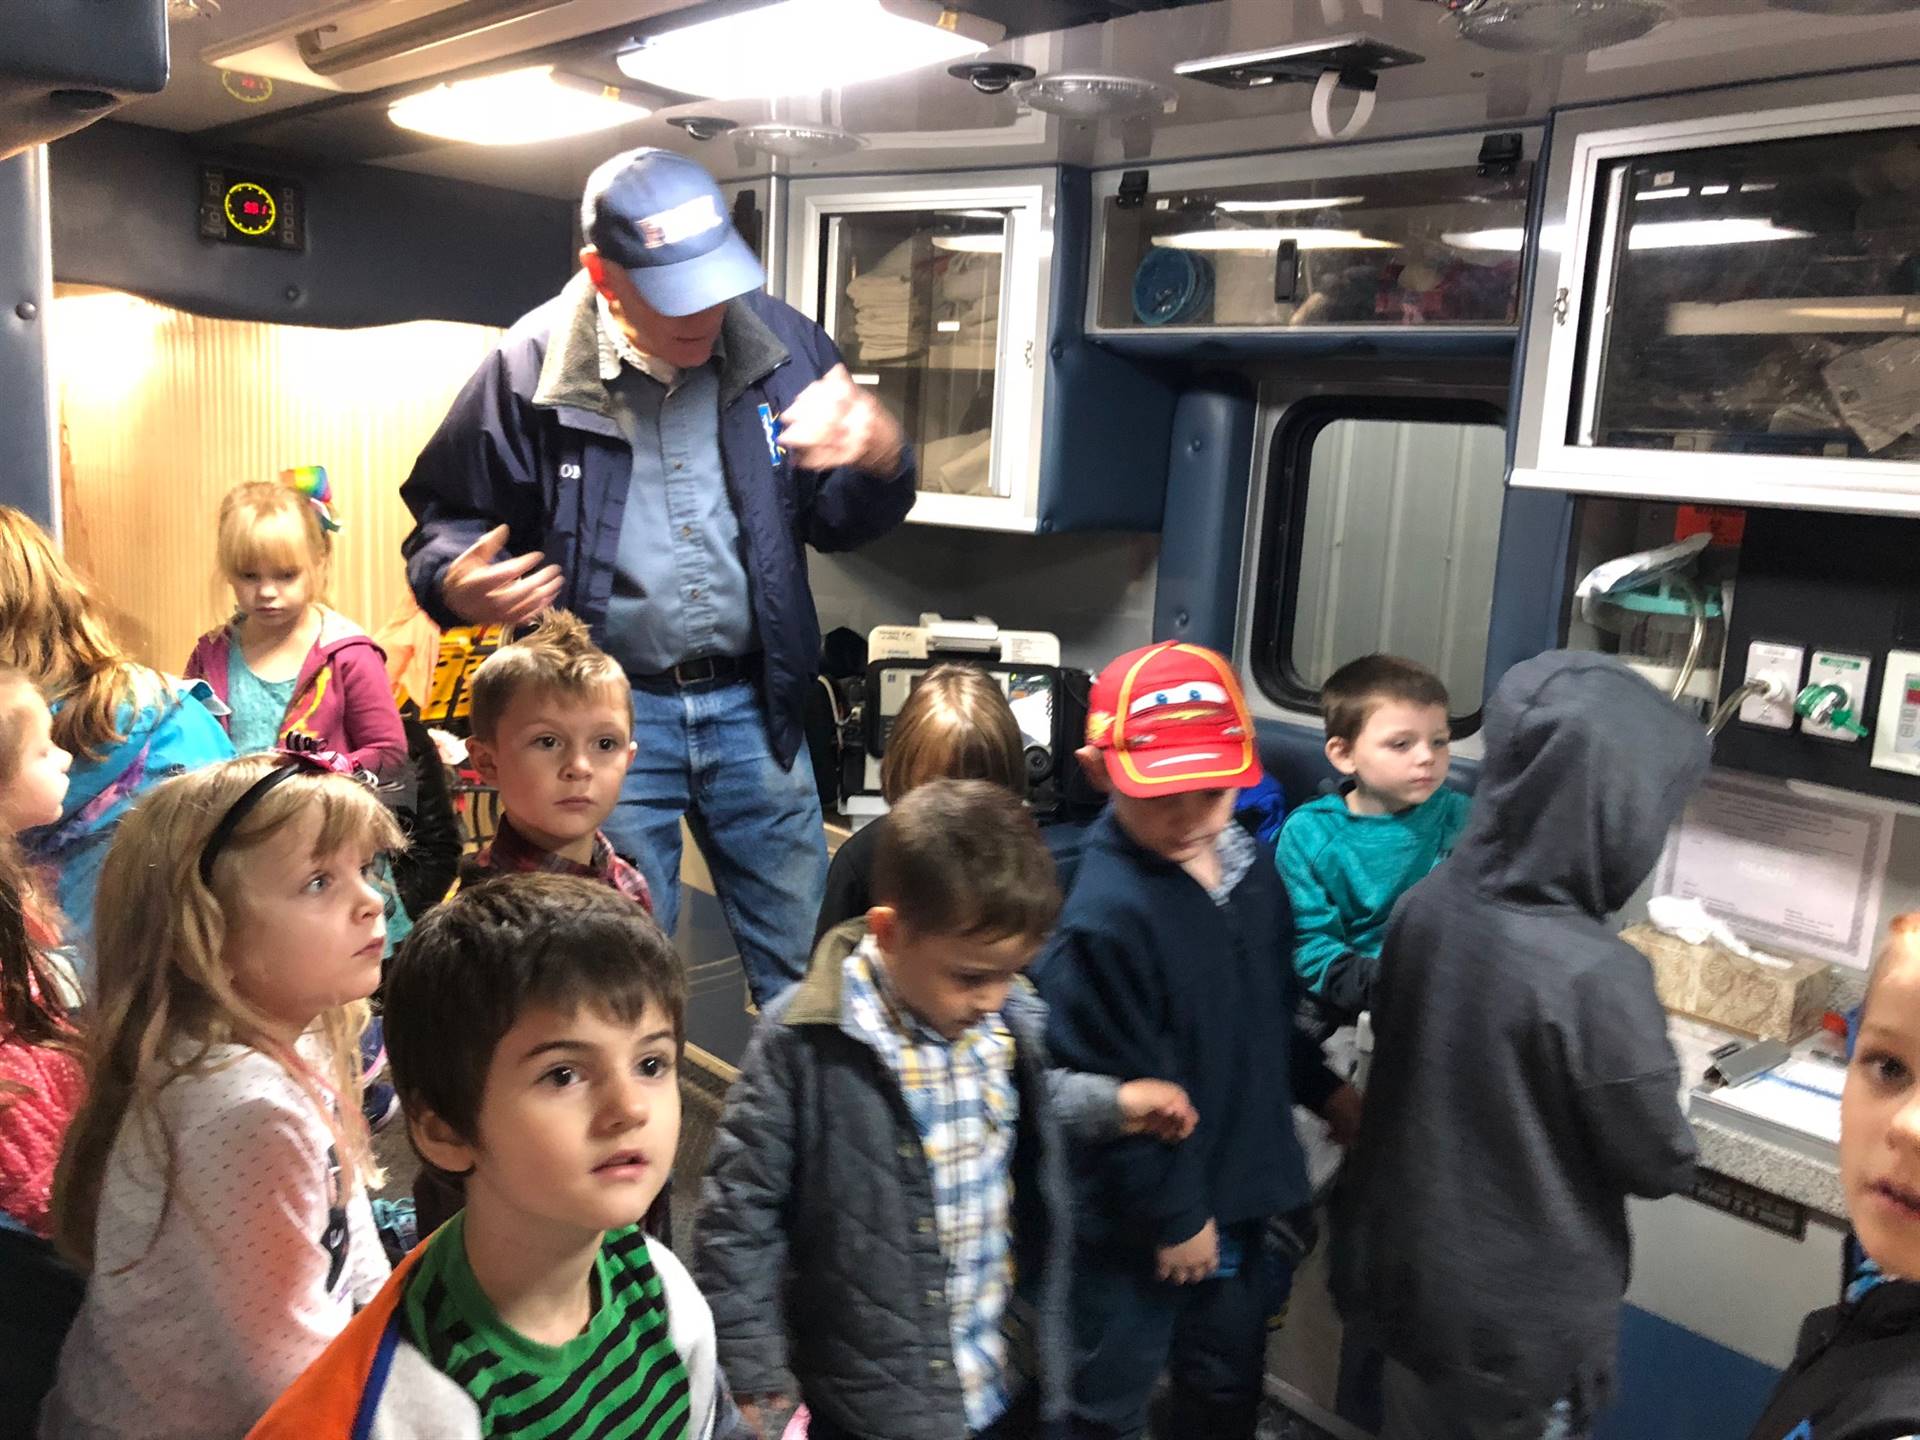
<point x="484" y="591"/>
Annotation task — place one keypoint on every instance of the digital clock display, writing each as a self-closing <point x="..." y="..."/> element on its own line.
<point x="249" y="209"/>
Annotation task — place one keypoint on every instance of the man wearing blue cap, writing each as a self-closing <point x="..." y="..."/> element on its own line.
<point x="653" y="450"/>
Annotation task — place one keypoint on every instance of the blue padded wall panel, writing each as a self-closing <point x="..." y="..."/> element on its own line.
<point x="1209" y="466"/>
<point x="382" y="245"/>
<point x="27" y="444"/>
<point x="65" y="63"/>
<point x="1103" y="440"/>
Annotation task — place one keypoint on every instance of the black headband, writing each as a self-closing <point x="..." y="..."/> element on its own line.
<point x="238" y="811"/>
<point x="291" y="762"/>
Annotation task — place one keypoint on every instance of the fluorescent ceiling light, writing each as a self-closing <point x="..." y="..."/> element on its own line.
<point x="519" y="107"/>
<point x="1503" y="237"/>
<point x="1672" y="192"/>
<point x="971" y="244"/>
<point x="1706" y="190"/>
<point x="1276" y="207"/>
<point x="1261" y="241"/>
<point x="1679" y="234"/>
<point x="802" y="45"/>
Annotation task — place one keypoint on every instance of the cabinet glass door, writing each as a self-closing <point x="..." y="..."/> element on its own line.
<point x="913" y="299"/>
<point x="1438" y="247"/>
<point x="1758" y="299"/>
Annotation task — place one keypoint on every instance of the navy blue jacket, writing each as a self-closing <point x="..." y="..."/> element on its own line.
<point x="531" y="442"/>
<point x="1857" y="1373"/>
<point x="1146" y="975"/>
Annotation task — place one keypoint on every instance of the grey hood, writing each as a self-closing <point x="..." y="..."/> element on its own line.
<point x="1586" y="768"/>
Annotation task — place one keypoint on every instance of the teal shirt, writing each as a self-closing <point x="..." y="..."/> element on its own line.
<point x="1344" y="874"/>
<point x="258" y="705"/>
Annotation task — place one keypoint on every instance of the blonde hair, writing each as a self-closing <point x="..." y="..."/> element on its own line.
<point x="557" y="656"/>
<point x="956" y="725"/>
<point x="1902" y="942"/>
<point x="268" y="525"/>
<point x="52" y="629"/>
<point x="166" y="996"/>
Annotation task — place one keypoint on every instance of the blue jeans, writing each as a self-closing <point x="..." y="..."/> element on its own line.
<point x="703" y="754"/>
<point x="1209" y="1338"/>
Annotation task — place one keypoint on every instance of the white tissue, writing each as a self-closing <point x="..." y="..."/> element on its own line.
<point x="1688" y="920"/>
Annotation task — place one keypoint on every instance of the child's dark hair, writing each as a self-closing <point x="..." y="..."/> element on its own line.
<point x="473" y="966"/>
<point x="557" y="656"/>
<point x="963" y="857"/>
<point x="1353" y="692"/>
<point x="30" y="994"/>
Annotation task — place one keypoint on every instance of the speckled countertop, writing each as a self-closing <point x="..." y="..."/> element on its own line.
<point x="1772" y="1168"/>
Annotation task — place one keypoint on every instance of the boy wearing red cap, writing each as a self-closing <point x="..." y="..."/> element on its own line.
<point x="1173" y="958"/>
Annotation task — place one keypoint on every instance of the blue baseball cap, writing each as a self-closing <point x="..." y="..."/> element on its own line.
<point x="662" y="219"/>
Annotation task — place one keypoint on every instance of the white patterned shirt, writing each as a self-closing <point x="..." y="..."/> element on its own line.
<point x="965" y="1105"/>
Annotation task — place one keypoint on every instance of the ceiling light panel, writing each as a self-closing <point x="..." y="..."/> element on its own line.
<point x="518" y="107"/>
<point x="796" y="46"/>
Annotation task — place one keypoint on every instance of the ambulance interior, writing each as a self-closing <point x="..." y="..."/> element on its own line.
<point x="1301" y="329"/>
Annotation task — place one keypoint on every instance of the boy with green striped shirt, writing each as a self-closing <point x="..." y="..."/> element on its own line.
<point x="535" y="1030"/>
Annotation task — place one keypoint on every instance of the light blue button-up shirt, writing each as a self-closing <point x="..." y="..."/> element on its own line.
<point x="679" y="585"/>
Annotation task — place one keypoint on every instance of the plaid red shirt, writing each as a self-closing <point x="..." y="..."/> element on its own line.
<point x="511" y="853"/>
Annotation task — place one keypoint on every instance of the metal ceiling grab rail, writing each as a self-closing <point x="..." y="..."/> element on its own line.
<point x="455" y="23"/>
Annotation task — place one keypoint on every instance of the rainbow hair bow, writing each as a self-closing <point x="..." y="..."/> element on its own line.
<point x="311" y="481"/>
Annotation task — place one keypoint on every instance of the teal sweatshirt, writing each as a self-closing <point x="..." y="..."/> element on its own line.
<point x="1344" y="873"/>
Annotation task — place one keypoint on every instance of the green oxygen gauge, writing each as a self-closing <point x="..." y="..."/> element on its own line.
<point x="1830" y="704"/>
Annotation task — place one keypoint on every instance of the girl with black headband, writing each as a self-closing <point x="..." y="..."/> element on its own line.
<point x="214" y="1182"/>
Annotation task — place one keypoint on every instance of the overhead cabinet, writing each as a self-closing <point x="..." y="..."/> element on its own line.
<point x="1364" y="238"/>
<point x="956" y="299"/>
<point x="1728" y="307"/>
<point x="933" y="289"/>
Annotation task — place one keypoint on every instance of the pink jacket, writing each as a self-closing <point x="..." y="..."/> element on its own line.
<point x="39" y="1091"/>
<point x="342" y="698"/>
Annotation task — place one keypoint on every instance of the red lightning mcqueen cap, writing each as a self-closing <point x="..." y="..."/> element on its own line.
<point x="1174" y="719"/>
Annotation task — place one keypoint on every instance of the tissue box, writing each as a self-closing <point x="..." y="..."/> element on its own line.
<point x="1768" y="1001"/>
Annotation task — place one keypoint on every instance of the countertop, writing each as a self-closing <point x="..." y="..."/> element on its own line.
<point x="1772" y="1168"/>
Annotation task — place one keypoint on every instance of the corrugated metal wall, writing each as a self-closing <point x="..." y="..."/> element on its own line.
<point x="1402" y="529"/>
<point x="162" y="412"/>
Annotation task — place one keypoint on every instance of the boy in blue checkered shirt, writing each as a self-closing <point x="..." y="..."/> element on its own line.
<point x="885" y="1230"/>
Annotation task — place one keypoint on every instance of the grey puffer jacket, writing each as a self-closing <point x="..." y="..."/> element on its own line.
<point x="817" y="1243"/>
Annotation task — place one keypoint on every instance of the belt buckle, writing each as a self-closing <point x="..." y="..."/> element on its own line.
<point x="695" y="672"/>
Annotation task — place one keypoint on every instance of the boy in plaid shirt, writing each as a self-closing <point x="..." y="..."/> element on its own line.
<point x="552" y="731"/>
<point x="885" y="1228"/>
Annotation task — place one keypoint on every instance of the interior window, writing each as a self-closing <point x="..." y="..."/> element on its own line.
<point x="1384" y="525"/>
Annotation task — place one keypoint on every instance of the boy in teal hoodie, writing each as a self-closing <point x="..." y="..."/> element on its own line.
<point x="1348" y="857"/>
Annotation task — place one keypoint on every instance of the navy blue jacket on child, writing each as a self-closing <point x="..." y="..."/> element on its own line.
<point x="1857" y="1373"/>
<point x="1150" y="973"/>
<point x="1146" y="975"/>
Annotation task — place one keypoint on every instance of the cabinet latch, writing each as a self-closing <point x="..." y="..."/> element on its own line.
<point x="1500" y="155"/>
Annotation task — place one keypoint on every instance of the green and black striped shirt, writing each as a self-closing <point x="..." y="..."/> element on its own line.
<point x="619" y="1379"/>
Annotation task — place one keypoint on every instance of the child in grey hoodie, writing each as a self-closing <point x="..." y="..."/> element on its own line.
<point x="1523" y="1085"/>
